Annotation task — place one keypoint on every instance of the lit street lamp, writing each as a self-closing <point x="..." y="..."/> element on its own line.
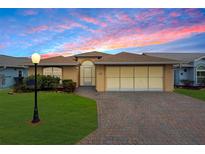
<point x="35" y="60"/>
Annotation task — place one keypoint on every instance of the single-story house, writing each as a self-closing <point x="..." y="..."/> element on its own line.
<point x="192" y="67"/>
<point x="119" y="72"/>
<point x="11" y="68"/>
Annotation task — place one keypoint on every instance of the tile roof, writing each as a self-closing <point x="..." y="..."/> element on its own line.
<point x="184" y="57"/>
<point x="123" y="58"/>
<point x="92" y="54"/>
<point x="9" y="61"/>
<point x="131" y="58"/>
<point x="57" y="61"/>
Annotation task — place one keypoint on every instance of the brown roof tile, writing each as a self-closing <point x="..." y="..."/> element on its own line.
<point x="184" y="57"/>
<point x="9" y="61"/>
<point x="57" y="61"/>
<point x="92" y="54"/>
<point x="125" y="58"/>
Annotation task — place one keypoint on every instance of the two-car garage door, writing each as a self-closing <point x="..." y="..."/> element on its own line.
<point x="134" y="78"/>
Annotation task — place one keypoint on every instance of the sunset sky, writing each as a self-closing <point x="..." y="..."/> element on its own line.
<point x="52" y="32"/>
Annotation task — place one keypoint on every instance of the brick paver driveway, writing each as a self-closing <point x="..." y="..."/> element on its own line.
<point x="146" y="118"/>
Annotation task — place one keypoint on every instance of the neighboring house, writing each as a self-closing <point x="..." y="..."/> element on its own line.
<point x="120" y="72"/>
<point x="11" y="68"/>
<point x="192" y="67"/>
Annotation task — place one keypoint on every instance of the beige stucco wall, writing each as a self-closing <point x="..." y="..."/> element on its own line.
<point x="100" y="78"/>
<point x="81" y="60"/>
<point x="168" y="78"/>
<point x="69" y="72"/>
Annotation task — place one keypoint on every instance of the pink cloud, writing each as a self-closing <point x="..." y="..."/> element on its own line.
<point x="2" y="46"/>
<point x="49" y="55"/>
<point x="55" y="54"/>
<point x="108" y="18"/>
<point x="67" y="26"/>
<point x="125" y="18"/>
<point x="38" y="29"/>
<point x="174" y="14"/>
<point x="133" y="39"/>
<point x="59" y="27"/>
<point x="120" y="17"/>
<point x="193" y="12"/>
<point x="91" y="20"/>
<point x="148" y="14"/>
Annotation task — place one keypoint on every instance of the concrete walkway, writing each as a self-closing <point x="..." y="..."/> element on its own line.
<point x="146" y="118"/>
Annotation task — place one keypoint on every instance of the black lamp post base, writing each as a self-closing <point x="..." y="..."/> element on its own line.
<point x="35" y="121"/>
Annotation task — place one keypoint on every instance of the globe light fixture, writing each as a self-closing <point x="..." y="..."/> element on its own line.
<point x="35" y="58"/>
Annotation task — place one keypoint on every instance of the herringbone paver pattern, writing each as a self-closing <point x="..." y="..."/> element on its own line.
<point x="146" y="118"/>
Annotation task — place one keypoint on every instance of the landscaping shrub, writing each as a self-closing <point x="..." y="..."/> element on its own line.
<point x="187" y="82"/>
<point x="43" y="83"/>
<point x="18" y="80"/>
<point x="49" y="82"/>
<point x="19" y="85"/>
<point x="69" y="85"/>
<point x="203" y="82"/>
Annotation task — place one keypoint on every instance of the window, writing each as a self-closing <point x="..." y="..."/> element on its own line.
<point x="20" y="74"/>
<point x="201" y="68"/>
<point x="200" y="75"/>
<point x="53" y="71"/>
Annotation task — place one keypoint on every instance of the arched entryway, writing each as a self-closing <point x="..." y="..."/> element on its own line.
<point x="87" y="73"/>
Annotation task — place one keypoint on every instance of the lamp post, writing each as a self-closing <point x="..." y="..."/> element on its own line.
<point x="35" y="60"/>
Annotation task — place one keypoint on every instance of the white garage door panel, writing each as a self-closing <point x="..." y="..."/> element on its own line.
<point x="112" y="71"/>
<point x="155" y="78"/>
<point x="155" y="84"/>
<point x="126" y="84"/>
<point x="126" y="72"/>
<point x="141" y="71"/>
<point x="126" y="78"/>
<point x="113" y="84"/>
<point x="155" y="71"/>
<point x="141" y="84"/>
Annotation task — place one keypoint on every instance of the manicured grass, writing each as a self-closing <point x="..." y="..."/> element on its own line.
<point x="199" y="94"/>
<point x="65" y="118"/>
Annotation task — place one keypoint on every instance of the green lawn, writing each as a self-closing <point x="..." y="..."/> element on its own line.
<point x="65" y="118"/>
<point x="199" y="94"/>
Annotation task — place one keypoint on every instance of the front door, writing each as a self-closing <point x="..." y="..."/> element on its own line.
<point x="87" y="73"/>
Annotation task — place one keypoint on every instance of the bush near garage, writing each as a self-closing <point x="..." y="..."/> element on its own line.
<point x="68" y="85"/>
